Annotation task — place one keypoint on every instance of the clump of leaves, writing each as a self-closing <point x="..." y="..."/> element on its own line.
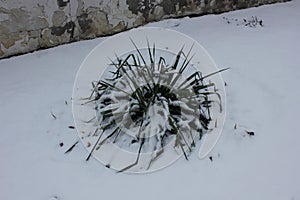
<point x="146" y="103"/>
<point x="253" y="22"/>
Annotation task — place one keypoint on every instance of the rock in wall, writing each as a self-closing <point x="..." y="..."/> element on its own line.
<point x="28" y="25"/>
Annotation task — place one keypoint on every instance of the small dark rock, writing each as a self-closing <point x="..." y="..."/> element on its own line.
<point x="250" y="133"/>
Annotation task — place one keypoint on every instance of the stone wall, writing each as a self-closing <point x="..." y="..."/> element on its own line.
<point x="27" y="25"/>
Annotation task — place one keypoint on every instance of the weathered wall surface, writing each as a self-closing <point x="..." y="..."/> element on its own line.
<point x="27" y="25"/>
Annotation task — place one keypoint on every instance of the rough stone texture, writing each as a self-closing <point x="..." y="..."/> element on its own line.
<point x="27" y="25"/>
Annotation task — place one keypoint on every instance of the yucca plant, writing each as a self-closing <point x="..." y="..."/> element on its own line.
<point x="147" y="101"/>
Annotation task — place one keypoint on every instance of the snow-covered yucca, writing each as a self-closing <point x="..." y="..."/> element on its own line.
<point x="145" y="103"/>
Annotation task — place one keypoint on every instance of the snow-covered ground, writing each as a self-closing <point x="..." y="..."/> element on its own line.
<point x="262" y="96"/>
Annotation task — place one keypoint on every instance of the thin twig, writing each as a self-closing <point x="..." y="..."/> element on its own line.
<point x="100" y="135"/>
<point x="54" y="117"/>
<point x="71" y="148"/>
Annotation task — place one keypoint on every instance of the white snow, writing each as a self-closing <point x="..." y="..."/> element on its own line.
<point x="262" y="96"/>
